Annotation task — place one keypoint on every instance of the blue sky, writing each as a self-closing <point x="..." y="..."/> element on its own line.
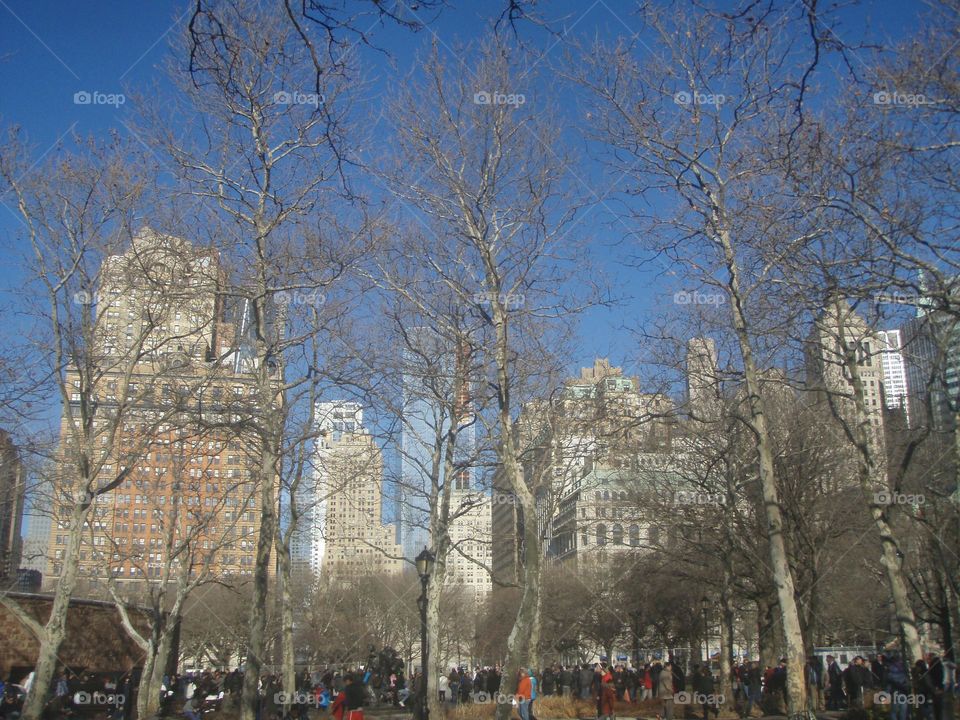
<point x="50" y="50"/>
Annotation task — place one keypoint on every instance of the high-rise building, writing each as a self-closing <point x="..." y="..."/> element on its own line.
<point x="703" y="379"/>
<point x="308" y="543"/>
<point x="827" y="370"/>
<point x="356" y="542"/>
<point x="586" y="440"/>
<point x="470" y="534"/>
<point x="12" y="492"/>
<point x="431" y="399"/>
<point x="894" y="372"/>
<point x="931" y="352"/>
<point x="174" y="387"/>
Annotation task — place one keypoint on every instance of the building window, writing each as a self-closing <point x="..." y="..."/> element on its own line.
<point x="601" y="535"/>
<point x="618" y="534"/>
<point x="634" y="535"/>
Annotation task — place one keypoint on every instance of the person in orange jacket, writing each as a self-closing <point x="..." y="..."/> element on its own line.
<point x="524" y="694"/>
<point x="608" y="695"/>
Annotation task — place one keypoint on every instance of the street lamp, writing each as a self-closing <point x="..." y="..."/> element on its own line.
<point x="424" y="564"/>
<point x="636" y="615"/>
<point x="704" y="606"/>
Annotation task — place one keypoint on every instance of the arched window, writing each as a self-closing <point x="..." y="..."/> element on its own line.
<point x="599" y="496"/>
<point x="601" y="534"/>
<point x="618" y="534"/>
<point x="634" y="535"/>
<point x="653" y="535"/>
<point x="606" y="494"/>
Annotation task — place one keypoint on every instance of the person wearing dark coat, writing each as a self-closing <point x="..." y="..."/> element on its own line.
<point x="704" y="686"/>
<point x="836" y="698"/>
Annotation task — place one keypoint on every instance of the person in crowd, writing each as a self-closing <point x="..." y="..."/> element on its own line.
<point x="191" y="708"/>
<point x="923" y="690"/>
<point x="853" y="683"/>
<point x="937" y="675"/>
<point x="524" y="694"/>
<point x="565" y="681"/>
<point x="812" y="676"/>
<point x="443" y="684"/>
<point x="897" y="685"/>
<point x="586" y="682"/>
<point x="355" y="697"/>
<point x="665" y="690"/>
<point x="607" y="698"/>
<point x="836" y="698"/>
<point x="705" y="686"/>
<point x="646" y="683"/>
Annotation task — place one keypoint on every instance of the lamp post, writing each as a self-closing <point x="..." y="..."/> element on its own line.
<point x="635" y="617"/>
<point x="424" y="563"/>
<point x="704" y="606"/>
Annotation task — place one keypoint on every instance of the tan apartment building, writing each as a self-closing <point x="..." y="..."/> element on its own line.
<point x="169" y="393"/>
<point x="356" y="541"/>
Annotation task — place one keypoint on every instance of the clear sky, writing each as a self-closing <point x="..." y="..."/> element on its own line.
<point x="50" y="50"/>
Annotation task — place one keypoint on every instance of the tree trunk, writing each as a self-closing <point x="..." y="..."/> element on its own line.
<point x="287" y="650"/>
<point x="873" y="477"/>
<point x="55" y="629"/>
<point x="726" y="641"/>
<point x="518" y="642"/>
<point x="435" y="661"/>
<point x="256" y="641"/>
<point x="779" y="560"/>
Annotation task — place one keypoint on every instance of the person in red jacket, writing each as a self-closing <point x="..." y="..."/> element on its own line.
<point x="608" y="695"/>
<point x="524" y="693"/>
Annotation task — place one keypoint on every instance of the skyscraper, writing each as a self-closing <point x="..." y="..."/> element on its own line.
<point x="12" y="491"/>
<point x="173" y="389"/>
<point x="894" y="372"/>
<point x="353" y="541"/>
<point x="308" y="543"/>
